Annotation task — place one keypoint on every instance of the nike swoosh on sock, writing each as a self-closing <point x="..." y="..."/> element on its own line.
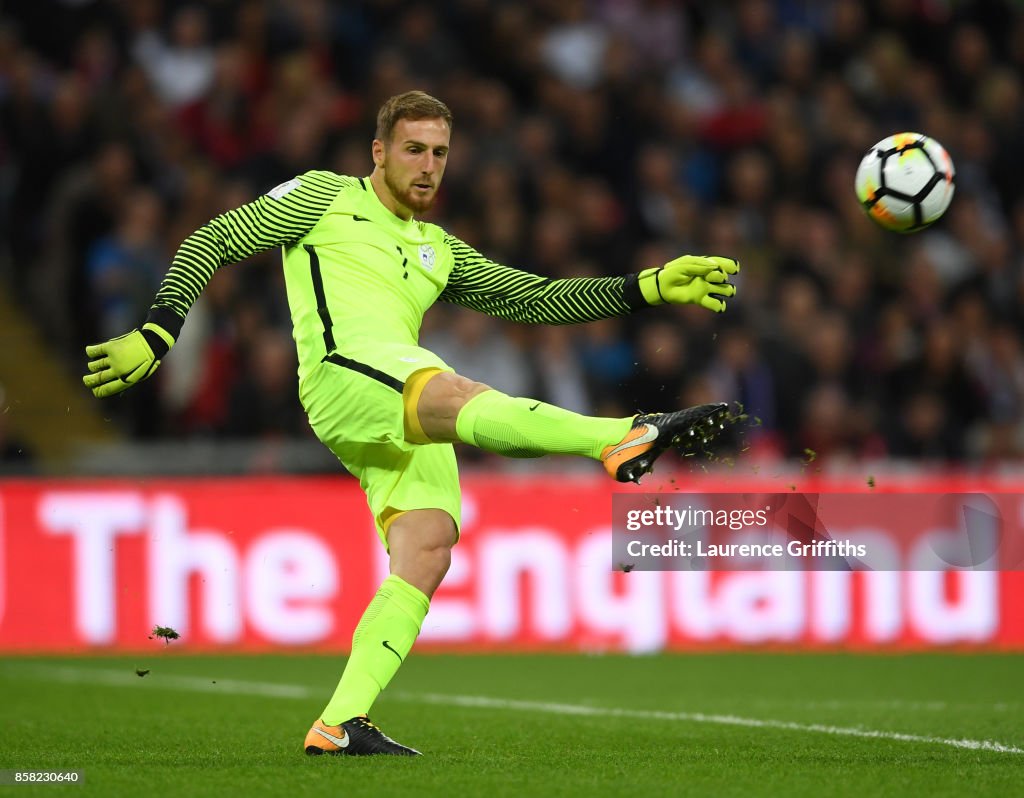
<point x="389" y="648"/>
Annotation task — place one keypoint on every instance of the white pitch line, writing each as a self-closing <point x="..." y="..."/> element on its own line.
<point x="120" y="678"/>
<point x="111" y="677"/>
<point x="892" y="703"/>
<point x="483" y="702"/>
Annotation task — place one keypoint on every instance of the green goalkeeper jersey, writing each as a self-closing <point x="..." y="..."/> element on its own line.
<point x="357" y="273"/>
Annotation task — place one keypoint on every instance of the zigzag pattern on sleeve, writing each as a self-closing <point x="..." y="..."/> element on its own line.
<point x="481" y="284"/>
<point x="237" y="234"/>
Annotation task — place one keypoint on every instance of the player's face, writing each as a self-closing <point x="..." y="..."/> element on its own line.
<point x="413" y="161"/>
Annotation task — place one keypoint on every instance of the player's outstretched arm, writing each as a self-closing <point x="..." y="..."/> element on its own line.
<point x="481" y="284"/>
<point x="282" y="216"/>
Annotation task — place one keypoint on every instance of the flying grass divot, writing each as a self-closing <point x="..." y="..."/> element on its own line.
<point x="165" y="632"/>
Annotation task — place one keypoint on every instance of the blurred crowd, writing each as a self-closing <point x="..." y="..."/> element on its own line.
<point x="591" y="137"/>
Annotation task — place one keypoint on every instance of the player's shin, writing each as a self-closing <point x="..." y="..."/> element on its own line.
<point x="519" y="427"/>
<point x="382" y="640"/>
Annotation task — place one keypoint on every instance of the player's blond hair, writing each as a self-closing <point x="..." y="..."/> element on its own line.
<point x="410" y="105"/>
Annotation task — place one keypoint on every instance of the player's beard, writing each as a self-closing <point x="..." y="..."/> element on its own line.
<point x="407" y="196"/>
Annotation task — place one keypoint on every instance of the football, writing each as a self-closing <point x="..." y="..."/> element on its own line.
<point x="905" y="182"/>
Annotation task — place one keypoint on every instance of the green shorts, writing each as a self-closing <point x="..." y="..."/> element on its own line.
<point x="354" y="403"/>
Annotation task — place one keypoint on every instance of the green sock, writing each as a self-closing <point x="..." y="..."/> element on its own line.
<point x="518" y="427"/>
<point x="381" y="642"/>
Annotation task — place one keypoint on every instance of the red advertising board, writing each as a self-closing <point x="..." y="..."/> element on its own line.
<point x="255" y="563"/>
<point x="276" y="563"/>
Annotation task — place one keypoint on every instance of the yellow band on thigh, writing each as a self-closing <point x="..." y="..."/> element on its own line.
<point x="387" y="518"/>
<point x="414" y="386"/>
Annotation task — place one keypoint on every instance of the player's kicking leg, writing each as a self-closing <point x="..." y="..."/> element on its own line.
<point x="453" y="408"/>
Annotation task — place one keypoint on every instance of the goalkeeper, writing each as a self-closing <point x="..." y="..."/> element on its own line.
<point x="360" y="272"/>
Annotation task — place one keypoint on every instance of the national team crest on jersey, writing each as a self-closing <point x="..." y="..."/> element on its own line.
<point x="427" y="257"/>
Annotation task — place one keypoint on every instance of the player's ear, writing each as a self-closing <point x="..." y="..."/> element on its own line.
<point x="378" y="152"/>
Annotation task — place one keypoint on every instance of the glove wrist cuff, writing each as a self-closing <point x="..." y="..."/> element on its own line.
<point x="167" y="323"/>
<point x="631" y="293"/>
<point x="649" y="287"/>
<point x="155" y="341"/>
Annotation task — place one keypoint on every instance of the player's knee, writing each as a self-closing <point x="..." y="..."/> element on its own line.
<point x="437" y="561"/>
<point x="444" y="395"/>
<point x="459" y="390"/>
<point x="468" y="388"/>
<point x="420" y="542"/>
<point x="434" y="546"/>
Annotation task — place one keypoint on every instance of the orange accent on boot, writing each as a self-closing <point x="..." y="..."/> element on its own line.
<point x="615" y="455"/>
<point x="324" y="739"/>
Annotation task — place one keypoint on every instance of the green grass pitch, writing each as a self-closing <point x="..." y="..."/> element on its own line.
<point x="742" y="724"/>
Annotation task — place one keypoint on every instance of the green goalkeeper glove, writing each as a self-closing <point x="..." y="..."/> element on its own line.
<point x="123" y="361"/>
<point x="690" y="280"/>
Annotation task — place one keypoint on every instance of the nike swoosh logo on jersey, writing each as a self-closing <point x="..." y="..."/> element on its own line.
<point x="357" y="218"/>
<point x="341" y="742"/>
<point x="647" y="437"/>
<point x="389" y="648"/>
<point x="535" y="406"/>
